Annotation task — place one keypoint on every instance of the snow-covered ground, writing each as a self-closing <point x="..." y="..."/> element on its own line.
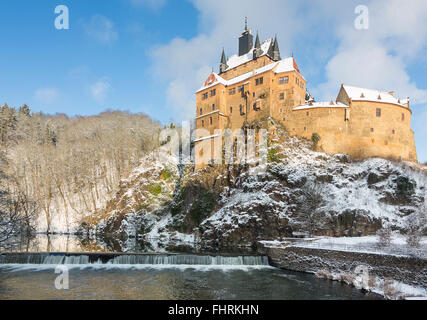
<point x="368" y="244"/>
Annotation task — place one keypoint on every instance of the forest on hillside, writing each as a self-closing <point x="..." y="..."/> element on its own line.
<point x="68" y="166"/>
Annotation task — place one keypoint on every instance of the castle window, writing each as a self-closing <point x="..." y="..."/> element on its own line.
<point x="393" y="131"/>
<point x="297" y="81"/>
<point x="241" y="110"/>
<point x="203" y="123"/>
<point x="305" y="128"/>
<point x="213" y="92"/>
<point x="282" y="96"/>
<point x="284" y="119"/>
<point x="283" y="80"/>
<point x="241" y="88"/>
<point x="201" y="111"/>
<point x="281" y="110"/>
<point x="378" y="112"/>
<point x="403" y="117"/>
<point x="308" y="114"/>
<point x="231" y="109"/>
<point x="259" y="81"/>
<point x="213" y="107"/>
<point x="232" y="91"/>
<point x="372" y="130"/>
<point x="210" y="120"/>
<point x="205" y="96"/>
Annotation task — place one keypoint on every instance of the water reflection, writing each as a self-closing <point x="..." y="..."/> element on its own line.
<point x="78" y="244"/>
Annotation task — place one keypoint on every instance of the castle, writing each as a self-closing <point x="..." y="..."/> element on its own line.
<point x="257" y="84"/>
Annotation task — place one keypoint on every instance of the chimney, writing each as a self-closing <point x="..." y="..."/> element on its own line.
<point x="392" y="93"/>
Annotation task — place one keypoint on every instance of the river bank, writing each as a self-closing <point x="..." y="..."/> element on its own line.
<point x="395" y="276"/>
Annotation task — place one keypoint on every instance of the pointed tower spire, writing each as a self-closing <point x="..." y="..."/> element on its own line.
<point x="257" y="50"/>
<point x="270" y="49"/>
<point x="223" y="66"/>
<point x="257" y="43"/>
<point x="246" y="23"/>
<point x="276" y="50"/>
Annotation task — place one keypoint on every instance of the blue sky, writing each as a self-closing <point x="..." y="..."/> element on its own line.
<point x="152" y="55"/>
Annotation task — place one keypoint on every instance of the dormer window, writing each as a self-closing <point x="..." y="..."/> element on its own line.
<point x="379" y="97"/>
<point x="362" y="95"/>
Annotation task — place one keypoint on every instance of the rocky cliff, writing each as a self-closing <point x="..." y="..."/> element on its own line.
<point x="297" y="192"/>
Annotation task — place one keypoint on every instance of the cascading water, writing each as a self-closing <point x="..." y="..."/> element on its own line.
<point x="132" y="259"/>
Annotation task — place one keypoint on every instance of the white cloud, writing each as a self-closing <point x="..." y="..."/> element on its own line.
<point x="153" y="4"/>
<point x="101" y="29"/>
<point x="379" y="57"/>
<point x="100" y="89"/>
<point x="47" y="95"/>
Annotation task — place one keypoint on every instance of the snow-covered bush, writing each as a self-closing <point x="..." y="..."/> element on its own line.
<point x="415" y="225"/>
<point x="384" y="237"/>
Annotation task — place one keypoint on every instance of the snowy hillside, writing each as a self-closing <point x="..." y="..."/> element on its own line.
<point x="299" y="191"/>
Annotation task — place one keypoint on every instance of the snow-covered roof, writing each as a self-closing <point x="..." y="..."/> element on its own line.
<point x="281" y="66"/>
<point x="314" y="105"/>
<point x="236" y="60"/>
<point x="361" y="94"/>
<point x="213" y="80"/>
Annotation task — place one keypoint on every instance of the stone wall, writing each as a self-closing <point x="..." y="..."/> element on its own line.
<point x="364" y="134"/>
<point x="409" y="270"/>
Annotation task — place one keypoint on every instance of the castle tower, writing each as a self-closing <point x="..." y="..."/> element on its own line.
<point x="246" y="40"/>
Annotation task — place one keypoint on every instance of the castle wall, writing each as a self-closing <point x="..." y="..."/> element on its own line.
<point x="364" y="134"/>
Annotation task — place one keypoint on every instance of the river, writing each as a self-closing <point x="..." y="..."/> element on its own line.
<point x="101" y="275"/>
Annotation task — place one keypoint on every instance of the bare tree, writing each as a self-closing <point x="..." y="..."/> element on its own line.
<point x="415" y="224"/>
<point x="312" y="199"/>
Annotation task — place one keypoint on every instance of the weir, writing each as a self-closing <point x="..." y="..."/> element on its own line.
<point x="131" y="259"/>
